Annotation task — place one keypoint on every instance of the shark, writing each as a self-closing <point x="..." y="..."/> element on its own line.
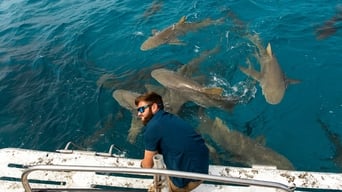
<point x="128" y="80"/>
<point x="244" y="149"/>
<point x="189" y="68"/>
<point x="191" y="90"/>
<point x="271" y="78"/>
<point x="335" y="140"/>
<point x="153" y="9"/>
<point x="170" y="34"/>
<point x="172" y="101"/>
<point x="330" y="27"/>
<point x="102" y="127"/>
<point x="126" y="99"/>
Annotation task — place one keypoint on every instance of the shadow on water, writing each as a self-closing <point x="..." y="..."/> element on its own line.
<point x="335" y="141"/>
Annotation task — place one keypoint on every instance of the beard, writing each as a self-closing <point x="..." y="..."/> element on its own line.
<point x="146" y="119"/>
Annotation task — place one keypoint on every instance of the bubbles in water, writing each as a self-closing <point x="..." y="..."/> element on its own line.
<point x="244" y="90"/>
<point x="138" y="33"/>
<point x="197" y="48"/>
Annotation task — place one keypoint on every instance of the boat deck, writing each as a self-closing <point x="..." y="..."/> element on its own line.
<point x="76" y="170"/>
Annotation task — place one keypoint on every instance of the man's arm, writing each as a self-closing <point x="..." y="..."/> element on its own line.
<point x="147" y="162"/>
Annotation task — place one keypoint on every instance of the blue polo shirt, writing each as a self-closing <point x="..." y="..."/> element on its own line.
<point x="183" y="149"/>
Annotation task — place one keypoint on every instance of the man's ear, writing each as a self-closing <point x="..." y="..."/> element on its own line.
<point x="154" y="108"/>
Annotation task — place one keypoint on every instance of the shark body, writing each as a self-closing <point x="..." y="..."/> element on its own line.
<point x="172" y="101"/>
<point x="170" y="34"/>
<point x="244" y="149"/>
<point x="330" y="26"/>
<point x="190" y="90"/>
<point x="335" y="140"/>
<point x="272" y="79"/>
<point x="153" y="9"/>
<point x="126" y="99"/>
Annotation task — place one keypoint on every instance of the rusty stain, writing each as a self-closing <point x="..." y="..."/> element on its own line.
<point x="255" y="171"/>
<point x="128" y="184"/>
<point x="303" y="175"/>
<point x="289" y="178"/>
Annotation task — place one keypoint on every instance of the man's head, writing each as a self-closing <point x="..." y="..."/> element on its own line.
<point x="147" y="105"/>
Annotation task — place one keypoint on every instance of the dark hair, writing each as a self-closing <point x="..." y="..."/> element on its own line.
<point x="150" y="97"/>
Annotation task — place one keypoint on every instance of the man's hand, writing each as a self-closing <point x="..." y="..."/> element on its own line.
<point x="147" y="162"/>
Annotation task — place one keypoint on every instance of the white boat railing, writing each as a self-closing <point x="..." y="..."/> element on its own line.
<point x="143" y="171"/>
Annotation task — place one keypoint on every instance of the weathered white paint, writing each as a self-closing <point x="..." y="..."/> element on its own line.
<point x="13" y="162"/>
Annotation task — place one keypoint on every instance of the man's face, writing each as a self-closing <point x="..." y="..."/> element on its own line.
<point x="144" y="111"/>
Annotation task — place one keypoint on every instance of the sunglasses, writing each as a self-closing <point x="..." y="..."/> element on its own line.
<point x="142" y="108"/>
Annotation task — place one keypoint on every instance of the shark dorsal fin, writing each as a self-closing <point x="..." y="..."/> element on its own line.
<point x="182" y="20"/>
<point x="269" y="50"/>
<point x="261" y="140"/>
<point x="154" y="32"/>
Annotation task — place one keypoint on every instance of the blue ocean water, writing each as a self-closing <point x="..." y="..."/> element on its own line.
<point x="60" y="61"/>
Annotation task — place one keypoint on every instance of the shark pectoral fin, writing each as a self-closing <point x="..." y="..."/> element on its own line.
<point x="176" y="101"/>
<point x="213" y="91"/>
<point x="251" y="72"/>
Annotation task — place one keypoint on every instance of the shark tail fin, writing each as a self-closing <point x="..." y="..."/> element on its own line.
<point x="292" y="81"/>
<point x="213" y="91"/>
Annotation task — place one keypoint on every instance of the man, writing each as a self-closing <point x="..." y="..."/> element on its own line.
<point x="182" y="148"/>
